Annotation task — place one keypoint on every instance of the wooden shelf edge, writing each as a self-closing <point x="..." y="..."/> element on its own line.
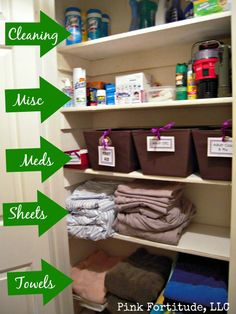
<point x="140" y="32"/>
<point x="91" y="306"/>
<point x="224" y="101"/>
<point x="217" y="242"/>
<point x="193" y="178"/>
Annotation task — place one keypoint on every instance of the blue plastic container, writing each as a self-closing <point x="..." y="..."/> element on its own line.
<point x="94" y="24"/>
<point x="73" y="25"/>
<point x="105" y="25"/>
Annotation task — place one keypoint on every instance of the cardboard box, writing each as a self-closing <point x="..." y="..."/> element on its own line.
<point x="132" y="88"/>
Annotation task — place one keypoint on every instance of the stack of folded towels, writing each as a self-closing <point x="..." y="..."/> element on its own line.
<point x="155" y="211"/>
<point x="89" y="277"/>
<point x="92" y="210"/>
<point x="198" y="280"/>
<point x="139" y="278"/>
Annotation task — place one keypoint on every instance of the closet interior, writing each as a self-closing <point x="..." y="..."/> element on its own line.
<point x="155" y="51"/>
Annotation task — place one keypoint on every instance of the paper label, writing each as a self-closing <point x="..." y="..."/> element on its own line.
<point x="217" y="148"/>
<point x="165" y="144"/>
<point x="106" y="157"/>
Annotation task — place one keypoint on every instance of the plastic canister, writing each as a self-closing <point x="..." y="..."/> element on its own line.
<point x="79" y="84"/>
<point x="181" y="81"/>
<point x="94" y="24"/>
<point x="73" y="25"/>
<point x="105" y="25"/>
<point x="101" y="97"/>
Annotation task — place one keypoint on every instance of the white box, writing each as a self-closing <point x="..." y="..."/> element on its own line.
<point x="132" y="88"/>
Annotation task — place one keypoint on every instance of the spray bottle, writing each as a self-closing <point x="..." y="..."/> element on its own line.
<point x="68" y="90"/>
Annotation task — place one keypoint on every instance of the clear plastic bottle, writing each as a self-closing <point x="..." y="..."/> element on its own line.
<point x="68" y="90"/>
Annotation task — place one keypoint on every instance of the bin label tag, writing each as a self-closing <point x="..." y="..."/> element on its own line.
<point x="106" y="157"/>
<point x="165" y="144"/>
<point x="217" y="148"/>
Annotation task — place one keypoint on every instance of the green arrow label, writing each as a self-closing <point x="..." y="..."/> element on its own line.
<point x="47" y="34"/>
<point x="47" y="159"/>
<point x="44" y="213"/>
<point x="49" y="282"/>
<point x="47" y="99"/>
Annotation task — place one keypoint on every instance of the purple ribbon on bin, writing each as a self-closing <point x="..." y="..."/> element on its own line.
<point x="227" y="124"/>
<point x="157" y="131"/>
<point x="104" y="136"/>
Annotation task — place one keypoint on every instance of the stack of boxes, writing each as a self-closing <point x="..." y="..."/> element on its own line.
<point x="110" y="94"/>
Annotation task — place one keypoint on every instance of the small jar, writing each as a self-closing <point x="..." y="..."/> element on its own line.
<point x="94" y="24"/>
<point x="101" y="97"/>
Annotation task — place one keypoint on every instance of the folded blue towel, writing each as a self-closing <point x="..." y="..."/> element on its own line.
<point x="198" y="279"/>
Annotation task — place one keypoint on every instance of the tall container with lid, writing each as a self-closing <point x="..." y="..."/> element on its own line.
<point x="94" y="24"/>
<point x="79" y="84"/>
<point x="73" y="25"/>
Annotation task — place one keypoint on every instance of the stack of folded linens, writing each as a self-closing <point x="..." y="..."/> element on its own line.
<point x="92" y="210"/>
<point x="138" y="279"/>
<point x="153" y="210"/>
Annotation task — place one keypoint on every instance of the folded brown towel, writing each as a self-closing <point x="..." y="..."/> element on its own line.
<point x="139" y="278"/>
<point x="170" y="237"/>
<point x="175" y="217"/>
<point x="151" y="188"/>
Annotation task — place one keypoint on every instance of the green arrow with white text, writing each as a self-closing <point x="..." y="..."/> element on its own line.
<point x="44" y="213"/>
<point x="47" y="99"/>
<point x="47" y="34"/>
<point x="49" y="282"/>
<point x="47" y="159"/>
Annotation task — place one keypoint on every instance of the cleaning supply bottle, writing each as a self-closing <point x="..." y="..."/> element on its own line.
<point x="161" y="12"/>
<point x="105" y="25"/>
<point x="181" y="81"/>
<point x="188" y="12"/>
<point x="191" y="83"/>
<point x="94" y="24"/>
<point x="134" y="15"/>
<point x="73" y="25"/>
<point x="174" y="13"/>
<point x="68" y="90"/>
<point x="147" y="12"/>
<point x="79" y="84"/>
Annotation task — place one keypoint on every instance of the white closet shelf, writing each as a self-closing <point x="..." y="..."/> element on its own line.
<point x="90" y="305"/>
<point x="187" y="31"/>
<point x="198" y="239"/>
<point x="193" y="178"/>
<point x="210" y="102"/>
